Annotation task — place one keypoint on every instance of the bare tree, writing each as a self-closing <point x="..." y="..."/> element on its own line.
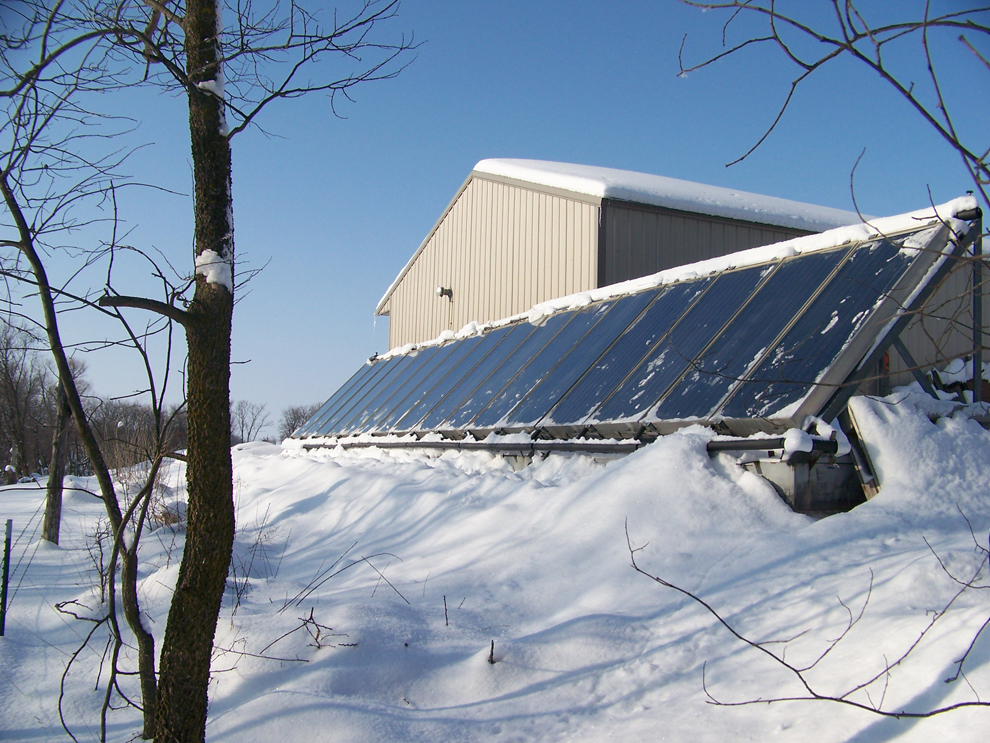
<point x="61" y="416"/>
<point x="22" y="382"/>
<point x="58" y="59"/>
<point x="247" y="419"/>
<point x="293" y="417"/>
<point x="853" y="33"/>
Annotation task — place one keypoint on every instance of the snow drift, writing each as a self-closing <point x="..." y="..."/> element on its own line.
<point x="412" y="564"/>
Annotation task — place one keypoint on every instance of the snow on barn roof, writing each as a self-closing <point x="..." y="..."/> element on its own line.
<point x="655" y="190"/>
<point x="670" y="193"/>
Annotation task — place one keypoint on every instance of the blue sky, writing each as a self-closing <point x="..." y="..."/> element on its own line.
<point x="334" y="207"/>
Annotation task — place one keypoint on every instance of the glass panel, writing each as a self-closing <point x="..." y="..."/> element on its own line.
<point x="671" y="356"/>
<point x="359" y="388"/>
<point x="422" y="396"/>
<point x="817" y="339"/>
<point x="576" y="325"/>
<point x="454" y="401"/>
<point x="412" y="391"/>
<point x="438" y="399"/>
<point x="575" y="361"/>
<point x="745" y="341"/>
<point x="625" y="354"/>
<point x="503" y="375"/>
<point x="424" y="362"/>
<point x="357" y="420"/>
<point x="390" y="367"/>
<point x="335" y="399"/>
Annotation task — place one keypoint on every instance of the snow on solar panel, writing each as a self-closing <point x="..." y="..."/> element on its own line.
<point x="765" y="314"/>
<point x="816" y="338"/>
<point x="748" y="343"/>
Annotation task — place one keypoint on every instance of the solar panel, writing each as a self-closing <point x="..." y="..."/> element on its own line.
<point x="762" y="318"/>
<point x="412" y="390"/>
<point x="322" y="422"/>
<point x="626" y="354"/>
<point x="362" y="416"/>
<point x="814" y="341"/>
<point x="542" y="362"/>
<point x="454" y="399"/>
<point x="433" y="386"/>
<point x="486" y="345"/>
<point x="490" y="391"/>
<point x="763" y="344"/>
<point x="386" y="371"/>
<point x="312" y="425"/>
<point x="570" y="365"/>
<point x="670" y="358"/>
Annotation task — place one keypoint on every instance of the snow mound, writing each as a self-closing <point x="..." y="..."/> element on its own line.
<point x="413" y="563"/>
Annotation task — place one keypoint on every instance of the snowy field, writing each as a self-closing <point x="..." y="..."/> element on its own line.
<point x="460" y="550"/>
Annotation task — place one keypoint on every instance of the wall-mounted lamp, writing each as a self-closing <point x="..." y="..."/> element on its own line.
<point x="449" y="293"/>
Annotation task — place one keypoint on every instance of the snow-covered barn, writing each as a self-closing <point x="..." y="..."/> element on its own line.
<point x="567" y="307"/>
<point x="520" y="232"/>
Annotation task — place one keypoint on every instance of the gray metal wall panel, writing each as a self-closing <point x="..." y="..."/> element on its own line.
<point x="502" y="249"/>
<point x="943" y="330"/>
<point x="641" y="240"/>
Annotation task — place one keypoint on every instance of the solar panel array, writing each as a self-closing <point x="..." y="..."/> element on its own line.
<point x="752" y="343"/>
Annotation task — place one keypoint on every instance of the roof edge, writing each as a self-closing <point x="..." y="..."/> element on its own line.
<point x="380" y="308"/>
<point x="671" y="193"/>
<point x="422" y="246"/>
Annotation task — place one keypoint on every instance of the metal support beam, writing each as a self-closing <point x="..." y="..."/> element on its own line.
<point x="524" y="449"/>
<point x="919" y="376"/>
<point x="978" y="311"/>
<point x="774" y="444"/>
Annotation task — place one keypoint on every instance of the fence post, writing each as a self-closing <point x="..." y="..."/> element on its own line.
<point x="6" y="575"/>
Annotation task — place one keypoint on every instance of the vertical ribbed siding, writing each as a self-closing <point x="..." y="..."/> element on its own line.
<point x="942" y="331"/>
<point x="641" y="240"/>
<point x="501" y="249"/>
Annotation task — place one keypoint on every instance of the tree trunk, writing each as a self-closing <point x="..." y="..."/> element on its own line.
<point x="184" y="670"/>
<point x="56" y="471"/>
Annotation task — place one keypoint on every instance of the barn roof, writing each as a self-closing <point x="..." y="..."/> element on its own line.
<point x="671" y="193"/>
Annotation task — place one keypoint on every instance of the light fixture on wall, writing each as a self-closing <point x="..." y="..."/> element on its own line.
<point x="442" y="292"/>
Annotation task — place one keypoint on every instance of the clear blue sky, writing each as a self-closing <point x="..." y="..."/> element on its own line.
<point x="335" y="207"/>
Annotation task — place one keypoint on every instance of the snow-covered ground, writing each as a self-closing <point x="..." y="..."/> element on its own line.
<point x="450" y="552"/>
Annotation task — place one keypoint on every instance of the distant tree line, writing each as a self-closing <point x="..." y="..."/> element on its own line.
<point x="29" y="403"/>
<point x="248" y="419"/>
<point x="29" y="409"/>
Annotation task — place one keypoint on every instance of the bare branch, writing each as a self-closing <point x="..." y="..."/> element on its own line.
<point x="162" y="9"/>
<point x="152" y="305"/>
<point x="799" y="674"/>
<point x="858" y="39"/>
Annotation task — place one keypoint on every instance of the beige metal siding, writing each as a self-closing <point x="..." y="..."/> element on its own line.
<point x="501" y="248"/>
<point x="641" y="240"/>
<point x="942" y="331"/>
